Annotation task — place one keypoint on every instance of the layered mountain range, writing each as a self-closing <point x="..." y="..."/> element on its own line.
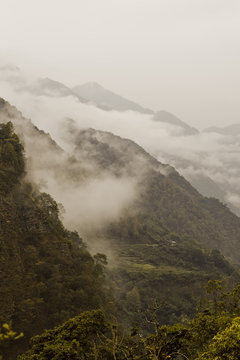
<point x="97" y="154"/>
<point x="96" y="93"/>
<point x="131" y="182"/>
<point x="162" y="238"/>
<point x="208" y="159"/>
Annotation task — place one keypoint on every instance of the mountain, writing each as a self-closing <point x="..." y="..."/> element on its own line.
<point x="105" y="98"/>
<point x="206" y="184"/>
<point x="161" y="188"/>
<point x="166" y="117"/>
<point x="231" y="130"/>
<point x="209" y="188"/>
<point x="209" y="184"/>
<point x="49" y="87"/>
<point x="162" y="246"/>
<point x="163" y="242"/>
<point x="98" y="152"/>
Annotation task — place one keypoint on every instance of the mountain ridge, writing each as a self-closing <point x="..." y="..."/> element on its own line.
<point x="109" y="152"/>
<point x="166" y="243"/>
<point x="232" y="130"/>
<point x="166" y="117"/>
<point x="101" y="96"/>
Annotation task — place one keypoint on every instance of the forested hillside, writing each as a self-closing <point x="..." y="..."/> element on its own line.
<point x="119" y="214"/>
<point x="46" y="273"/>
<point x="162" y="196"/>
<point x="167" y="244"/>
<point x="164" y="199"/>
<point x="164" y="244"/>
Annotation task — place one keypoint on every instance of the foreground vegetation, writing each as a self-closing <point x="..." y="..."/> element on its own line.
<point x="213" y="334"/>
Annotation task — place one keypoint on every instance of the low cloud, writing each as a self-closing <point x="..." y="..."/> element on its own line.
<point x="212" y="155"/>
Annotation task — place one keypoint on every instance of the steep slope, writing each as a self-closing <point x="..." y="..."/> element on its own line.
<point x="161" y="245"/>
<point x="163" y="194"/>
<point x="46" y="274"/>
<point x="160" y="191"/>
<point x="101" y="96"/>
<point x="40" y="168"/>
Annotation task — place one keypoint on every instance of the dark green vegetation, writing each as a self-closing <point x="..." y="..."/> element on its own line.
<point x="11" y="159"/>
<point x="212" y="335"/>
<point x="46" y="273"/>
<point x="172" y="273"/>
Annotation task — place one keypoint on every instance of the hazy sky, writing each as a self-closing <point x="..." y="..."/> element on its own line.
<point x="179" y="55"/>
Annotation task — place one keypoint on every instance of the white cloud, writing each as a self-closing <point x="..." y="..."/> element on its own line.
<point x="213" y="155"/>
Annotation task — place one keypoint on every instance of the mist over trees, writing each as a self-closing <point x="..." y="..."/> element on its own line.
<point x="152" y="237"/>
<point x="48" y="275"/>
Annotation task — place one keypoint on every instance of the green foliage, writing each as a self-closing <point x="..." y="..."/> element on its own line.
<point x="213" y="322"/>
<point x="225" y="345"/>
<point x="214" y="334"/>
<point x="6" y="336"/>
<point x="163" y="245"/>
<point x="89" y="336"/>
<point x="173" y="271"/>
<point x="79" y="338"/>
<point x="11" y="158"/>
<point x="169" y="242"/>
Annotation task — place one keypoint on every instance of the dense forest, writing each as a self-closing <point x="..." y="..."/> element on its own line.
<point x="167" y="245"/>
<point x="211" y="335"/>
<point x="46" y="274"/>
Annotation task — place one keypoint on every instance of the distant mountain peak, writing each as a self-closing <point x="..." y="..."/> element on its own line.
<point x="9" y="67"/>
<point x="96" y="93"/>
<point x="231" y="130"/>
<point x="167" y="117"/>
<point x="50" y="87"/>
<point x="93" y="84"/>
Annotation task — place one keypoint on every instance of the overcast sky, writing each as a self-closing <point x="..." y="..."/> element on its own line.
<point x="179" y="55"/>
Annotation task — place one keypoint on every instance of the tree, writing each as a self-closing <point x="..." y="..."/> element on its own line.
<point x="6" y="335"/>
<point x="225" y="345"/>
<point x="77" y="339"/>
